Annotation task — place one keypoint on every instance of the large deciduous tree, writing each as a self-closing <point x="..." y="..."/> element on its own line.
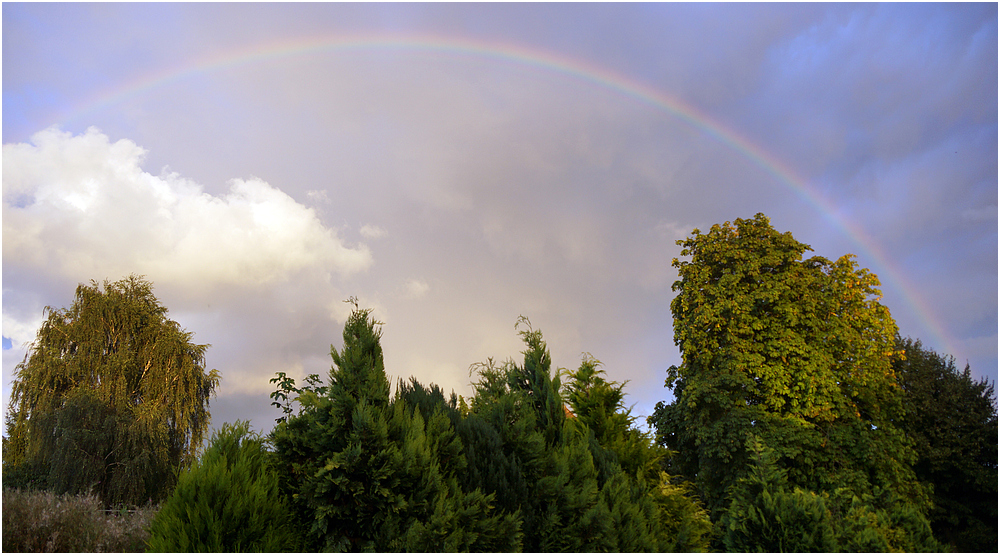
<point x="112" y="397"/>
<point x="796" y="352"/>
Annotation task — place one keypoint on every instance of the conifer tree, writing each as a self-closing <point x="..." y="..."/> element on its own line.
<point x="534" y="446"/>
<point x="648" y="512"/>
<point x="764" y="516"/>
<point x="370" y="473"/>
<point x="112" y="397"/>
<point x="952" y="419"/>
<point x="227" y="502"/>
<point x="600" y="405"/>
<point x="571" y="486"/>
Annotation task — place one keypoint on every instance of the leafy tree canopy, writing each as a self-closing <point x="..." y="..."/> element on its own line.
<point x="112" y="396"/>
<point x="797" y="352"/>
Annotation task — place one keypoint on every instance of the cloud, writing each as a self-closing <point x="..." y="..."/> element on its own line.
<point x="416" y="289"/>
<point x="318" y="197"/>
<point x="83" y="207"/>
<point x="250" y="271"/>
<point x="493" y="187"/>
<point x="373" y="232"/>
<point x="20" y="332"/>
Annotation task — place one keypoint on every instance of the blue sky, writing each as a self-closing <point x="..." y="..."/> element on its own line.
<point x="455" y="166"/>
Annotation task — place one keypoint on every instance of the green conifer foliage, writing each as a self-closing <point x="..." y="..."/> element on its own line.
<point x="112" y="397"/>
<point x="764" y="516"/>
<point x="648" y="513"/>
<point x="227" y="502"/>
<point x="542" y="457"/>
<point x="952" y="419"/>
<point x="683" y="521"/>
<point x="574" y="487"/>
<point x="600" y="405"/>
<point x="370" y="473"/>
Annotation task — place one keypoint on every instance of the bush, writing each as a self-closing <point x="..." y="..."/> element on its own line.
<point x="40" y="522"/>
<point x="228" y="502"/>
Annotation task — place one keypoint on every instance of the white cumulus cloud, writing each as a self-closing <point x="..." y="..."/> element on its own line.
<point x="82" y="206"/>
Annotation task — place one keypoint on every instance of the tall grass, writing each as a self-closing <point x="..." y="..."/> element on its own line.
<point x="38" y="521"/>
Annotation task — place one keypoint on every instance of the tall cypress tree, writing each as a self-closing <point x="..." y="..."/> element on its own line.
<point x="536" y="461"/>
<point x="227" y="502"/>
<point x="577" y="489"/>
<point x="648" y="511"/>
<point x="764" y="516"/>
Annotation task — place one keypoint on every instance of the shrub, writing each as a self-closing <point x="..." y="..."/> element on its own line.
<point x="40" y="522"/>
<point x="228" y="502"/>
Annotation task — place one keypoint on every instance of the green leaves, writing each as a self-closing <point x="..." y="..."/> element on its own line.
<point x="952" y="420"/>
<point x="795" y="351"/>
<point x="505" y="472"/>
<point x="764" y="516"/>
<point x="112" y="396"/>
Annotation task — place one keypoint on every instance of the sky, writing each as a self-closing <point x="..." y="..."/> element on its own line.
<point x="456" y="166"/>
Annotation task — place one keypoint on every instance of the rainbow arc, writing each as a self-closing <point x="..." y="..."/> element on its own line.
<point x="581" y="71"/>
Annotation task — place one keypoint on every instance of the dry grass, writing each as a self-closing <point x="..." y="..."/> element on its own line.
<point x="37" y="522"/>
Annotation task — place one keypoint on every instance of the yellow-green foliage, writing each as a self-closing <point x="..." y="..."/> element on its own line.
<point x="682" y="517"/>
<point x="111" y="398"/>
<point x="43" y="522"/>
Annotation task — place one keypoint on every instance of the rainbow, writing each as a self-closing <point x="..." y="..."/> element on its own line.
<point x="548" y="62"/>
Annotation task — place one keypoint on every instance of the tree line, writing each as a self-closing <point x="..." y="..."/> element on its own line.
<point x="800" y="421"/>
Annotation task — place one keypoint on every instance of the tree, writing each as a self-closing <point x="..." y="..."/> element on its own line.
<point x="227" y="502"/>
<point x="369" y="472"/>
<point x="112" y="397"/>
<point x="576" y="489"/>
<point x="764" y="516"/>
<point x="631" y="464"/>
<point x="952" y="419"/>
<point x="600" y="405"/>
<point x="796" y="352"/>
<point x="537" y="461"/>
